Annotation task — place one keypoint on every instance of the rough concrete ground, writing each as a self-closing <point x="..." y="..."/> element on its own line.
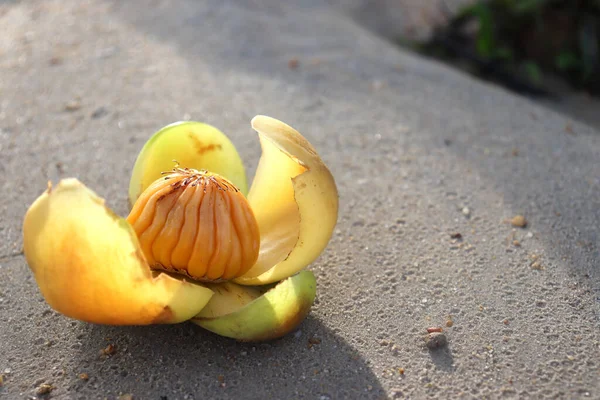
<point x="419" y="152"/>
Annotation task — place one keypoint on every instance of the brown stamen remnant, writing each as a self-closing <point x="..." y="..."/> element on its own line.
<point x="196" y="223"/>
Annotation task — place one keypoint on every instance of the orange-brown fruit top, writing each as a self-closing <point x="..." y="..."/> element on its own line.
<point x="198" y="224"/>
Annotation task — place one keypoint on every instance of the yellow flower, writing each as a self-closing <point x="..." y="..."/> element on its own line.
<point x="154" y="266"/>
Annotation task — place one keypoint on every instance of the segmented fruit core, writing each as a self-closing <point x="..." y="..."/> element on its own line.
<point x="198" y="224"/>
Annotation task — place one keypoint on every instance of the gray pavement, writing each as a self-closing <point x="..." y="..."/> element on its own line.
<point x="419" y="152"/>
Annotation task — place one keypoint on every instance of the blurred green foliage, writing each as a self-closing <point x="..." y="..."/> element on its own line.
<point x="538" y="36"/>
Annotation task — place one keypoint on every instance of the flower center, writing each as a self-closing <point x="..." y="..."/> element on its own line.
<point x="198" y="224"/>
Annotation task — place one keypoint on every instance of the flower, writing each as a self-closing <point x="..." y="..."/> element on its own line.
<point x="94" y="266"/>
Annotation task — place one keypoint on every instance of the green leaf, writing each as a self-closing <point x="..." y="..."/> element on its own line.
<point x="529" y="6"/>
<point x="533" y="71"/>
<point x="566" y="61"/>
<point x="485" y="36"/>
<point x="504" y="53"/>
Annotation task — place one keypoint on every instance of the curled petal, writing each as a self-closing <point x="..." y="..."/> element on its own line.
<point x="89" y="266"/>
<point x="193" y="145"/>
<point x="295" y="202"/>
<point x="244" y="313"/>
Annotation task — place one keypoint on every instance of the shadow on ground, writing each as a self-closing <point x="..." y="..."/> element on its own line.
<point x="175" y="361"/>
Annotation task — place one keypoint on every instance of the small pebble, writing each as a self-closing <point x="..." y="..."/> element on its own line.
<point x="537" y="265"/>
<point x="377" y="84"/>
<point x="55" y="60"/>
<point x="100" y="112"/>
<point x="108" y="350"/>
<point x="519" y="221"/>
<point x="466" y="211"/>
<point x="73" y="105"/>
<point x="435" y="340"/>
<point x="314" y="340"/>
<point x="45" y="388"/>
<point x="293" y="63"/>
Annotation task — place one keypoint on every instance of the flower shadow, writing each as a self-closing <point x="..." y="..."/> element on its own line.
<point x="185" y="361"/>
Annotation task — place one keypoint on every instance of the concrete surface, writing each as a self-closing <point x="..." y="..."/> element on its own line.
<point x="419" y="152"/>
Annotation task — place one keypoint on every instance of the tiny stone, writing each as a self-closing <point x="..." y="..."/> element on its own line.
<point x="108" y="350"/>
<point x="314" y="340"/>
<point x="83" y="376"/>
<point x="45" y="388"/>
<point x="56" y="60"/>
<point x="449" y="323"/>
<point x="519" y="221"/>
<point x="126" y="397"/>
<point x="99" y="113"/>
<point x="377" y="84"/>
<point x="73" y="105"/>
<point x="293" y="63"/>
<point x="537" y="266"/>
<point x="466" y="211"/>
<point x="435" y="340"/>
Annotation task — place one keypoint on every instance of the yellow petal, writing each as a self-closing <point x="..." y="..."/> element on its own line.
<point x="192" y="145"/>
<point x="89" y="266"/>
<point x="295" y="202"/>
<point x="245" y="314"/>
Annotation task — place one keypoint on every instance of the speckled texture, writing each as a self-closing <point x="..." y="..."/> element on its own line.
<point x="419" y="152"/>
